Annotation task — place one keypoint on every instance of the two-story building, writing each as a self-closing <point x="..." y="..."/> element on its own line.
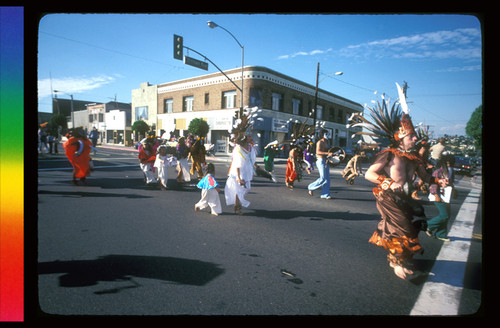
<point x="281" y="99"/>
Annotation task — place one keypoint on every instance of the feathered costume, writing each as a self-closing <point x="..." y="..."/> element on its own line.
<point x="242" y="165"/>
<point x="397" y="231"/>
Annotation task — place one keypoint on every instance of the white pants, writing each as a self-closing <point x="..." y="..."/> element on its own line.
<point x="148" y="171"/>
<point x="163" y="175"/>
<point x="210" y="197"/>
<point x="182" y="164"/>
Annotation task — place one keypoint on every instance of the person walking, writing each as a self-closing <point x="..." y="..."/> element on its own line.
<point x="392" y="171"/>
<point x="437" y="150"/>
<point x="94" y="135"/>
<point x="77" y="149"/>
<point x="292" y="173"/>
<point x="147" y="157"/>
<point x="438" y="226"/>
<point x="353" y="168"/>
<point x="198" y="154"/>
<point x="162" y="163"/>
<point x="323" y="182"/>
<point x="242" y="165"/>
<point x="182" y="156"/>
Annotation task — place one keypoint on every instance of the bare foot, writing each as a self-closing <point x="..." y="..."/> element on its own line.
<point x="401" y="271"/>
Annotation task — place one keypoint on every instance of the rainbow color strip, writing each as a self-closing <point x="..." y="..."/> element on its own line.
<point x="11" y="164"/>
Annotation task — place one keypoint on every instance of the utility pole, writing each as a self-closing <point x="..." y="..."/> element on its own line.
<point x="315" y="101"/>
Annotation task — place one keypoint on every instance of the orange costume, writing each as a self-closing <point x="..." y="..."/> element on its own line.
<point x="78" y="152"/>
<point x="291" y="173"/>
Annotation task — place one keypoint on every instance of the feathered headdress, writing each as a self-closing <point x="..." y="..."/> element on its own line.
<point x="302" y="133"/>
<point x="243" y="126"/>
<point x="389" y="123"/>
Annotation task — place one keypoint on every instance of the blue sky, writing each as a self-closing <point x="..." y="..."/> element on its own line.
<point x="98" y="57"/>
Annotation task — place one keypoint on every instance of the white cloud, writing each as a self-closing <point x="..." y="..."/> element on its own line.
<point x="459" y="69"/>
<point x="303" y="53"/>
<point x="72" y="85"/>
<point x="459" y="44"/>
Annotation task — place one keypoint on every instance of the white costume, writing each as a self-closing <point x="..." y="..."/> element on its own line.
<point x="162" y="162"/>
<point x="209" y="195"/>
<point x="244" y="160"/>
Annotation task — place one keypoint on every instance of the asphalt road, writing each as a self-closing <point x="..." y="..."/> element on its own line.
<point x="117" y="247"/>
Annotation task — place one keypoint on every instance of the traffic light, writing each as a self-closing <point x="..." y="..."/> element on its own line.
<point x="178" y="47"/>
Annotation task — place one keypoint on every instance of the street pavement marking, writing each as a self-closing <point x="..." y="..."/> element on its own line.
<point x="442" y="291"/>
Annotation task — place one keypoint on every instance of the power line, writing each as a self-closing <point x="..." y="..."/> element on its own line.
<point x="114" y="51"/>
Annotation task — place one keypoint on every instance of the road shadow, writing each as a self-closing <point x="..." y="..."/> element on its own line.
<point x="313" y="215"/>
<point x="126" y="267"/>
<point x="88" y="194"/>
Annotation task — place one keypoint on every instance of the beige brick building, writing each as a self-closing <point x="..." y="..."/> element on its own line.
<point x="281" y="99"/>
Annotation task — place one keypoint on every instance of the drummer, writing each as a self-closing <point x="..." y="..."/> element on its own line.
<point x="323" y="181"/>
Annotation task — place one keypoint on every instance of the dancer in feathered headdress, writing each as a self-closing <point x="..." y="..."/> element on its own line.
<point x="392" y="171"/>
<point x="242" y="165"/>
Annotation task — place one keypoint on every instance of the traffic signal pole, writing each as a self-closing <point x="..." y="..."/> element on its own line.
<point x="179" y="54"/>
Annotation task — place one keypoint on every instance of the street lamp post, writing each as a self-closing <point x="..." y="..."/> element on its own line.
<point x="214" y="25"/>
<point x="315" y="109"/>
<point x="72" y="116"/>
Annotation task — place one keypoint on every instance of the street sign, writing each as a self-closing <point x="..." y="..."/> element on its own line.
<point x="196" y="63"/>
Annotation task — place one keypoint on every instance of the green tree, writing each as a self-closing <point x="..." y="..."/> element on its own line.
<point x="140" y="127"/>
<point x="199" y="127"/>
<point x="474" y="126"/>
<point x="56" y="121"/>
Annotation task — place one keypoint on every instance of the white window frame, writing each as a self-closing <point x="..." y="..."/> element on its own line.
<point x="188" y="103"/>
<point x="229" y="98"/>
<point x="169" y="105"/>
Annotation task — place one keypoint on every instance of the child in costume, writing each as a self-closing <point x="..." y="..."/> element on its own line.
<point x="309" y="157"/>
<point x="209" y="192"/>
<point x="438" y="225"/>
<point x="292" y="167"/>
<point x="162" y="162"/>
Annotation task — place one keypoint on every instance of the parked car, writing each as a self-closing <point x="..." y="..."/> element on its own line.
<point x="463" y="165"/>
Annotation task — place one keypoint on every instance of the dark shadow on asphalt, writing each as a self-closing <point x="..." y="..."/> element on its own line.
<point x="125" y="267"/>
<point x="313" y="215"/>
<point x="88" y="194"/>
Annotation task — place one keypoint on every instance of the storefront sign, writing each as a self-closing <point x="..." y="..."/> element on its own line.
<point x="279" y="125"/>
